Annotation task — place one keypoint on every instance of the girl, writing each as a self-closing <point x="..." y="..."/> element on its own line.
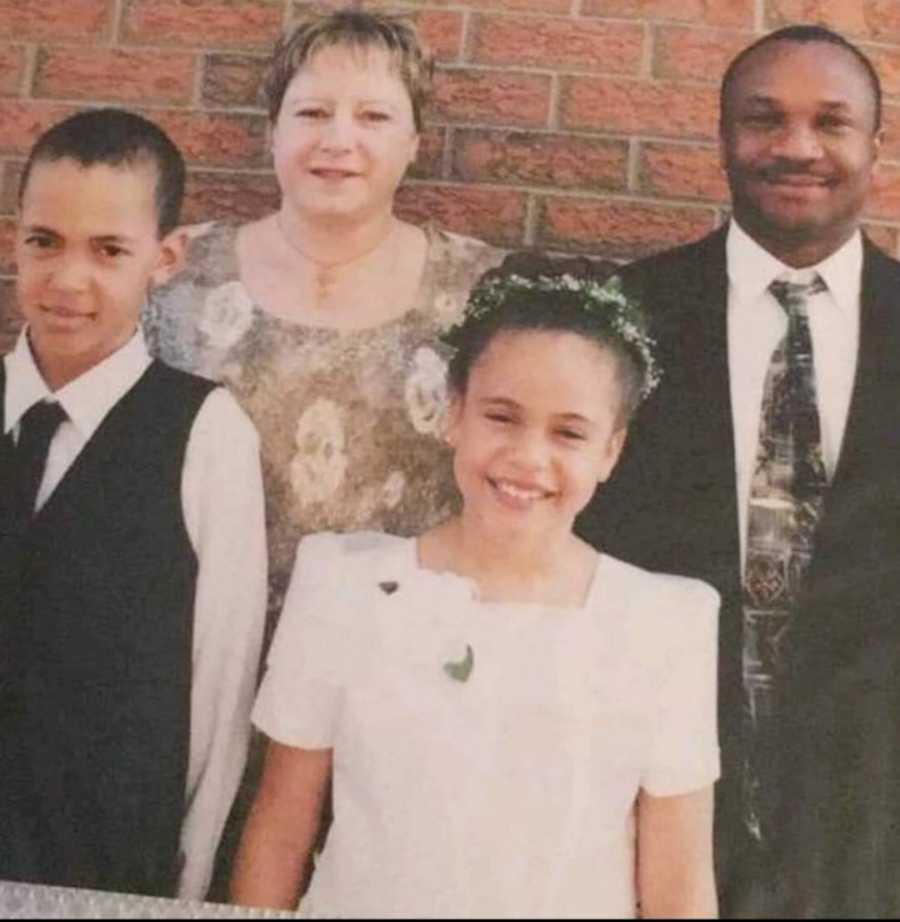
<point x="513" y="723"/>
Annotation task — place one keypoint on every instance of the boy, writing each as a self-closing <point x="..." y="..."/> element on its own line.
<point x="132" y="539"/>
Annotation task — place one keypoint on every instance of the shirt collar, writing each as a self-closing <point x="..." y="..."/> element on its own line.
<point x="751" y="269"/>
<point x="88" y="398"/>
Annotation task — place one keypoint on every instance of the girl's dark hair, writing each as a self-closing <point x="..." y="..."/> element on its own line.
<point x="522" y="309"/>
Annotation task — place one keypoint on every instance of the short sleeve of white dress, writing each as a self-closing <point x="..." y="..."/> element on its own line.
<point x="684" y="754"/>
<point x="299" y="701"/>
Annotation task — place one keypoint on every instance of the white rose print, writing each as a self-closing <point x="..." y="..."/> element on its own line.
<point x="318" y="468"/>
<point x="227" y="315"/>
<point x="426" y="391"/>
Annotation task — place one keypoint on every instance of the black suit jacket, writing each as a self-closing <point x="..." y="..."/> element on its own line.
<point x="671" y="505"/>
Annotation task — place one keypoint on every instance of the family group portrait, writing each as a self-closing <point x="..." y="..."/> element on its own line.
<point x="450" y="459"/>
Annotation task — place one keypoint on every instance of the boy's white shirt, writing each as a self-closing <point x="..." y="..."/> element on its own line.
<point x="222" y="501"/>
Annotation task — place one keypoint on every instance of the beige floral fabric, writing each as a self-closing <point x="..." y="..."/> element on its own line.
<point x="349" y="420"/>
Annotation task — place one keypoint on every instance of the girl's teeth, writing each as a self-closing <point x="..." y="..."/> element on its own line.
<point x="518" y="492"/>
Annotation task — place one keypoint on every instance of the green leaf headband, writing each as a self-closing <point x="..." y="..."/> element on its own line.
<point x="607" y="303"/>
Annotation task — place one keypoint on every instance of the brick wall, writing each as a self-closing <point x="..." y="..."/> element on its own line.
<point x="578" y="125"/>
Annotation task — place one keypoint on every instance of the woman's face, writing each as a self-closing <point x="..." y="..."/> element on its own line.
<point x="344" y="136"/>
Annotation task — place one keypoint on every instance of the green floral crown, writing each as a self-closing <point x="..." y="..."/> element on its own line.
<point x="604" y="302"/>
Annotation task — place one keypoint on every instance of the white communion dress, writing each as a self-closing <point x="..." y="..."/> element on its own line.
<point x="487" y="757"/>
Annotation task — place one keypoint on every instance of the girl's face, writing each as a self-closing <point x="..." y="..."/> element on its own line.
<point x="536" y="430"/>
<point x="344" y="135"/>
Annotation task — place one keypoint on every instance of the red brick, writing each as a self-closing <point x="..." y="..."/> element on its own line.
<point x="640" y="107"/>
<point x="864" y="18"/>
<point x="713" y="12"/>
<point x="619" y="229"/>
<point x="202" y="23"/>
<point x="496" y="97"/>
<point x="10" y="319"/>
<point x="517" y="6"/>
<point x="887" y="63"/>
<point x="564" y="161"/>
<point x="441" y="32"/>
<point x="12" y="69"/>
<point x="233" y="80"/>
<point x="114" y="74"/>
<point x="23" y="121"/>
<point x="229" y="196"/>
<point x="682" y="171"/>
<point x="7" y="246"/>
<point x="884" y="201"/>
<point x="683" y="53"/>
<point x="497" y="215"/>
<point x="208" y="139"/>
<point x="430" y="161"/>
<point x="884" y="237"/>
<point x="39" y="20"/>
<point x="611" y="47"/>
<point x="9" y="190"/>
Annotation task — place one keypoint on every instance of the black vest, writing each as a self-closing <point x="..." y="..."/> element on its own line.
<point x="96" y="617"/>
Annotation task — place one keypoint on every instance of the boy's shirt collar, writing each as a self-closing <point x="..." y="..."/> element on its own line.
<point x="87" y="399"/>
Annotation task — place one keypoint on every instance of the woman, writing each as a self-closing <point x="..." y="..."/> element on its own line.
<point x="323" y="317"/>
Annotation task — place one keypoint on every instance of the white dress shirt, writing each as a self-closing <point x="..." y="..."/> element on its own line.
<point x="757" y="323"/>
<point x="222" y="501"/>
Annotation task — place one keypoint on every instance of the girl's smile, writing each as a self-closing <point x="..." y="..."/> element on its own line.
<point x="536" y="430"/>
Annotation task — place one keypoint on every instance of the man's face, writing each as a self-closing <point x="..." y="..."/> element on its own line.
<point x="799" y="145"/>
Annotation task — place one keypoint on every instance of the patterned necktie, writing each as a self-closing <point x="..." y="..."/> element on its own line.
<point x="36" y="431"/>
<point x="786" y="496"/>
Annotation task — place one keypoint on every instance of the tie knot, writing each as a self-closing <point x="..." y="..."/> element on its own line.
<point x="793" y="296"/>
<point x="42" y="419"/>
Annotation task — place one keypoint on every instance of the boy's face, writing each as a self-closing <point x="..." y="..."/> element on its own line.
<point x="87" y="249"/>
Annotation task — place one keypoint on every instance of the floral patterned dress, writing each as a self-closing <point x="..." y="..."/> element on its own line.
<point x="349" y="421"/>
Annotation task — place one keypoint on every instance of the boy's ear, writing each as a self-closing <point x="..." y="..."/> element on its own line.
<point x="172" y="252"/>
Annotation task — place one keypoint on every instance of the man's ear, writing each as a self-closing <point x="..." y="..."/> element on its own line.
<point x="172" y="253"/>
<point x="878" y="178"/>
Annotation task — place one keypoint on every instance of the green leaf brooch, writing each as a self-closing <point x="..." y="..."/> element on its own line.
<point x="460" y="670"/>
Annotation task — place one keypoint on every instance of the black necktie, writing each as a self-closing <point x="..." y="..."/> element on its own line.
<point x="786" y="499"/>
<point x="36" y="431"/>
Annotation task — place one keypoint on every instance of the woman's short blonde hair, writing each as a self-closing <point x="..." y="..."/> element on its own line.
<point x="355" y="29"/>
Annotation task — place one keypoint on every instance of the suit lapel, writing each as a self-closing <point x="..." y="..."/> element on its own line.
<point x="872" y="416"/>
<point x="704" y="360"/>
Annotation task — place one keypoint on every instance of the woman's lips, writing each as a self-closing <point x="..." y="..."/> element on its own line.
<point x="329" y="173"/>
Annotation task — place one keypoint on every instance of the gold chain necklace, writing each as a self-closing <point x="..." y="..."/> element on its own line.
<point x="326" y="275"/>
<point x="330" y="266"/>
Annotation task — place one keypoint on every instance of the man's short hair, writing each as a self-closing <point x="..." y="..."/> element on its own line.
<point x="115" y="137"/>
<point x="802" y="34"/>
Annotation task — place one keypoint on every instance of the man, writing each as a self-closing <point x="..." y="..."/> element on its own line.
<point x="768" y="464"/>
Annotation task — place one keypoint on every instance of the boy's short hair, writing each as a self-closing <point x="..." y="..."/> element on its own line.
<point x="358" y="30"/>
<point x="115" y="137"/>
